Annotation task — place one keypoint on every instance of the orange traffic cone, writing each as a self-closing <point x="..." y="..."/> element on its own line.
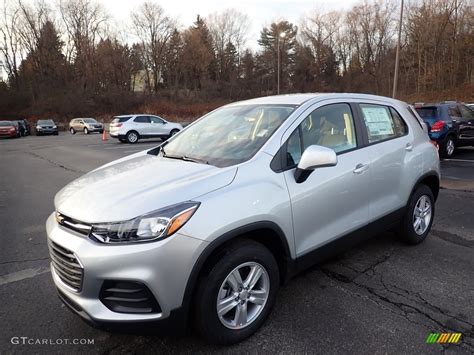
<point x="104" y="135"/>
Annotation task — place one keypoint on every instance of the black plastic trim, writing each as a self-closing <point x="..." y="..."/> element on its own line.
<point x="198" y="266"/>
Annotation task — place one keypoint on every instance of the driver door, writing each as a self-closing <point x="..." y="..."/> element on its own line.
<point x="333" y="201"/>
<point x="157" y="127"/>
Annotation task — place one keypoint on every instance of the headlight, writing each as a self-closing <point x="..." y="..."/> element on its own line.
<point x="38" y="128"/>
<point x="153" y="226"/>
<point x="54" y="127"/>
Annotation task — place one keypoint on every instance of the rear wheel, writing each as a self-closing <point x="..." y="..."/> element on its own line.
<point x="235" y="297"/>
<point x="447" y="147"/>
<point x="132" y="137"/>
<point x="419" y="216"/>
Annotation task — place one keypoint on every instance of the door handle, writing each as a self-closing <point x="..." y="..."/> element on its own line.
<point x="360" y="168"/>
<point x="409" y="147"/>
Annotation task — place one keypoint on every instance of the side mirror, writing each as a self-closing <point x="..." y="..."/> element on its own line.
<point x="315" y="156"/>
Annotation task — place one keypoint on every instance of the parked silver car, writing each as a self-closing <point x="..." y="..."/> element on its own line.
<point x="215" y="219"/>
<point x="132" y="128"/>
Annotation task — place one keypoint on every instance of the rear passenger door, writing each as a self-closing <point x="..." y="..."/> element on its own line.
<point x="333" y="201"/>
<point x="142" y="125"/>
<point x="393" y="162"/>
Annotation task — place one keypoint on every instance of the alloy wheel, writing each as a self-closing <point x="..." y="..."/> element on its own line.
<point x="243" y="295"/>
<point x="422" y="215"/>
<point x="450" y="147"/>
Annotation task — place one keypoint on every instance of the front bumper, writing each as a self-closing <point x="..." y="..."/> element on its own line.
<point x="163" y="266"/>
<point x="47" y="131"/>
<point x="95" y="129"/>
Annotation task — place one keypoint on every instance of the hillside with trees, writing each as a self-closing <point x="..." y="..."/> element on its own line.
<point x="68" y="59"/>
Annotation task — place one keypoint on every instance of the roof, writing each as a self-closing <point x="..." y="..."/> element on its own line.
<point x="299" y="99"/>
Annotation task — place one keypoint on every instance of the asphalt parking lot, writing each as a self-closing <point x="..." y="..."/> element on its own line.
<point x="381" y="297"/>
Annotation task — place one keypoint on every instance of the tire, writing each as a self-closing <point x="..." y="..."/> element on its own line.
<point x="447" y="147"/>
<point x="132" y="137"/>
<point x="55" y="133"/>
<point x="241" y="256"/>
<point x="86" y="131"/>
<point x="101" y="131"/>
<point x="72" y="130"/>
<point x="409" y="233"/>
<point x="173" y="132"/>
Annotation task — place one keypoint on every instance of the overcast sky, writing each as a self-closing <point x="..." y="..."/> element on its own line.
<point x="260" y="12"/>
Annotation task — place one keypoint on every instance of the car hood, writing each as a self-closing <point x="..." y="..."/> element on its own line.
<point x="137" y="185"/>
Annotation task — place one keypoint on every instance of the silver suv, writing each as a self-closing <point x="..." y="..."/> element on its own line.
<point x="131" y="128"/>
<point x="86" y="125"/>
<point x="214" y="220"/>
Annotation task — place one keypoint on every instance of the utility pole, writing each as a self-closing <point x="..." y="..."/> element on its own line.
<point x="397" y="56"/>
<point x="280" y="35"/>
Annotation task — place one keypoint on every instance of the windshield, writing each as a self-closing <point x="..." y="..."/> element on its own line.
<point x="45" y="122"/>
<point x="5" y="123"/>
<point x="230" y="135"/>
<point x="89" y="120"/>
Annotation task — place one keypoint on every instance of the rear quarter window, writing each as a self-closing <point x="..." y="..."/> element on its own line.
<point x="121" y="119"/>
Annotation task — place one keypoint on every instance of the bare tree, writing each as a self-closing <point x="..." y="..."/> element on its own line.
<point x="10" y="41"/>
<point x="229" y="26"/>
<point x="154" y="29"/>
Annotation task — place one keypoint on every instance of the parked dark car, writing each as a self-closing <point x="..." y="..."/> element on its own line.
<point x="23" y="129"/>
<point x="26" y="126"/>
<point x="46" y="127"/>
<point x="450" y="124"/>
<point x="8" y="129"/>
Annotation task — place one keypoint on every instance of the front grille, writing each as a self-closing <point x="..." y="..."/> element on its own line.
<point x="128" y="297"/>
<point x="73" y="224"/>
<point x="66" y="266"/>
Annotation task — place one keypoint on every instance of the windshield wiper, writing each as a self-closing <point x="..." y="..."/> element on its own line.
<point x="183" y="157"/>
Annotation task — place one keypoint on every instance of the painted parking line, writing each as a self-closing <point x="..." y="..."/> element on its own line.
<point x="22" y="274"/>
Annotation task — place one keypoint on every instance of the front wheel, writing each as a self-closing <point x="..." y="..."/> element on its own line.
<point x="419" y="216"/>
<point x="86" y="130"/>
<point x="173" y="132"/>
<point x="236" y="296"/>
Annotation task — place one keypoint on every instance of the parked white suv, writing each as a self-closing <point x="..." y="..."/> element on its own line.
<point x="214" y="220"/>
<point x="131" y="128"/>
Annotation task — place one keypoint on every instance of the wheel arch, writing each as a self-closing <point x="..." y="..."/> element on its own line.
<point x="267" y="233"/>
<point x="431" y="180"/>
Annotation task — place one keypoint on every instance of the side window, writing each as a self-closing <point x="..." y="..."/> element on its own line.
<point x="453" y="112"/>
<point x="467" y="114"/>
<point x="331" y="126"/>
<point x="155" y="119"/>
<point x="399" y="124"/>
<point x="382" y="122"/>
<point x="142" y="119"/>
